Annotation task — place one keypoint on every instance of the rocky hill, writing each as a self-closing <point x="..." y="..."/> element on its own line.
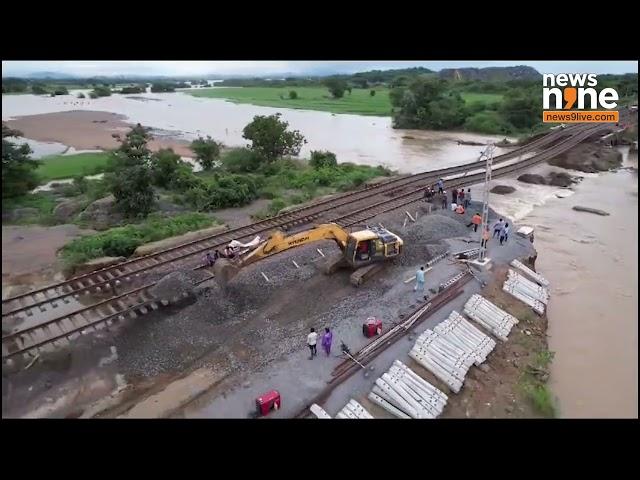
<point x="491" y="74"/>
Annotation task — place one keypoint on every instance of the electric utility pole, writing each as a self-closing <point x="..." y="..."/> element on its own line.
<point x="488" y="155"/>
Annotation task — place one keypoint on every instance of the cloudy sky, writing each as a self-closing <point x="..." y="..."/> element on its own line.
<point x="210" y="68"/>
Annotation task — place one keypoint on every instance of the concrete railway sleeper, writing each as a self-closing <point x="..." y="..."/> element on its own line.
<point x="95" y="281"/>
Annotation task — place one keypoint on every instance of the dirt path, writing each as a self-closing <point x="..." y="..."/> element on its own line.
<point x="86" y="130"/>
<point x="29" y="254"/>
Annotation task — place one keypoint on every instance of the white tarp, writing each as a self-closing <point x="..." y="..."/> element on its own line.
<point x="253" y="243"/>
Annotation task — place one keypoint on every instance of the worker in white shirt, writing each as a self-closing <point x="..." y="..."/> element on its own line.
<point x="312" y="339"/>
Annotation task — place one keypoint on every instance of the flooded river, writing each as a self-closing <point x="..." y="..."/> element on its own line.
<point x="590" y="260"/>
<point x="354" y="138"/>
<point x="592" y="264"/>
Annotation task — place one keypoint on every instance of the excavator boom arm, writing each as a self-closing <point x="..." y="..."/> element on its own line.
<point x="278" y="242"/>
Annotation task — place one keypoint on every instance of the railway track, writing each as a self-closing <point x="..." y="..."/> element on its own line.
<point x="133" y="302"/>
<point x="113" y="276"/>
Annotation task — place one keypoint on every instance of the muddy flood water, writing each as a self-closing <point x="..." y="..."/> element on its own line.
<point x="590" y="260"/>
<point x="592" y="264"/>
<point x="354" y="138"/>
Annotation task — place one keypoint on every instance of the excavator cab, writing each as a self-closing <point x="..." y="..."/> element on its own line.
<point x="372" y="245"/>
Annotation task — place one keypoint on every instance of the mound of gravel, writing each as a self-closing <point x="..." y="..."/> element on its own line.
<point x="433" y="228"/>
<point x="175" y="284"/>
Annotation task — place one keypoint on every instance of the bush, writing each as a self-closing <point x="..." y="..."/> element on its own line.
<point x="93" y="94"/>
<point x="372" y="93"/>
<point x="97" y="189"/>
<point x="277" y="205"/>
<point x="293" y="95"/>
<point x="120" y="245"/>
<point x="241" y="160"/>
<point x="61" y="91"/>
<point x="184" y="180"/>
<point x="123" y="241"/>
<point x="133" y="89"/>
<point x="321" y="159"/>
<point x="81" y="184"/>
<point x="269" y="192"/>
<point x="81" y="95"/>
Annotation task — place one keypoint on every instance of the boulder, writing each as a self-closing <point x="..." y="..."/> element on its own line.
<point x="153" y="247"/>
<point x="502" y="189"/>
<point x="101" y="214"/>
<point x="95" y="264"/>
<point x="588" y="158"/>
<point x="66" y="209"/>
<point x="578" y="208"/>
<point x="560" y="179"/>
<point x="532" y="178"/>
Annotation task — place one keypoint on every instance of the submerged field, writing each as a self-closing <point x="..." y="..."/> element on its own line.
<point x="56" y="167"/>
<point x="358" y="102"/>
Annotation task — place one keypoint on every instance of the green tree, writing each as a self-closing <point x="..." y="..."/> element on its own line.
<point x="133" y="191"/>
<point x="130" y="179"/>
<point x="360" y="82"/>
<point x="447" y="112"/>
<point x="18" y="169"/>
<point x="293" y="94"/>
<point x="100" y="91"/>
<point x="320" y="159"/>
<point x="163" y="87"/>
<point x="336" y="87"/>
<point x="423" y="105"/>
<point x="164" y="165"/>
<point x="270" y="137"/>
<point x="39" y="89"/>
<point x="522" y="108"/>
<point x="207" y="151"/>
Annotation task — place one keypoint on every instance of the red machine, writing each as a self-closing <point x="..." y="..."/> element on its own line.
<point x="372" y="327"/>
<point x="268" y="401"/>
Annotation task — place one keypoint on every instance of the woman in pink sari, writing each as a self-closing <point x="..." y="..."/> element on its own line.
<point x="326" y="340"/>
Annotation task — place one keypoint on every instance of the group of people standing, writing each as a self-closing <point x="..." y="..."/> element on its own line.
<point x="210" y="260"/>
<point x="312" y="340"/>
<point x="458" y="196"/>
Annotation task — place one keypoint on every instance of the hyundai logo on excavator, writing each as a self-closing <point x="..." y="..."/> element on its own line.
<point x="300" y="240"/>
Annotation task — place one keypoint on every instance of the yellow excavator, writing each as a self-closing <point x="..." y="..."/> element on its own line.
<point x="364" y="250"/>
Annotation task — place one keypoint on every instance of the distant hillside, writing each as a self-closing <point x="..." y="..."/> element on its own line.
<point x="491" y="74"/>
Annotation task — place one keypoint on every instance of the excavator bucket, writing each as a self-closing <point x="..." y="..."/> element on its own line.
<point x="224" y="271"/>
